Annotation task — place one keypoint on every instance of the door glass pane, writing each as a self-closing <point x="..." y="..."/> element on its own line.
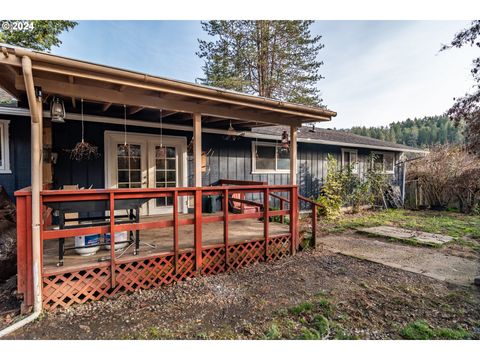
<point x="165" y="171"/>
<point x="129" y="166"/>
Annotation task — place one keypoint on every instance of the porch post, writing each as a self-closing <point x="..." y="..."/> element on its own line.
<point x="197" y="149"/>
<point x="294" y="208"/>
<point x="293" y="155"/>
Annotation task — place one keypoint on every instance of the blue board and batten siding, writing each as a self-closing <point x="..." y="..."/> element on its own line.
<point x="19" y="150"/>
<point x="228" y="160"/>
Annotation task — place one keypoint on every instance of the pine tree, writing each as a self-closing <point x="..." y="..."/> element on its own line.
<point x="274" y="59"/>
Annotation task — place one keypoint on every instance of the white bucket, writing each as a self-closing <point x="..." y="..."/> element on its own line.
<point x="87" y="240"/>
<point x="119" y="236"/>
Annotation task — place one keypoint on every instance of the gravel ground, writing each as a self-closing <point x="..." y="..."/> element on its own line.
<point x="371" y="301"/>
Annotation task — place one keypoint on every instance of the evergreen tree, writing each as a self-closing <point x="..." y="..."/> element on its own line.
<point x="43" y="35"/>
<point x="275" y="59"/>
<point x="423" y="132"/>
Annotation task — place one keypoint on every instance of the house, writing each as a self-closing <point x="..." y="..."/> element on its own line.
<point x="171" y="169"/>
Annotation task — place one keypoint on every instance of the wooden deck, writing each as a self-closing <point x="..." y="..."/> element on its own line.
<point x="158" y="241"/>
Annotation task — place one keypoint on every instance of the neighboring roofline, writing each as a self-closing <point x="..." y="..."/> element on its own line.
<point x="188" y="88"/>
<point x="131" y="122"/>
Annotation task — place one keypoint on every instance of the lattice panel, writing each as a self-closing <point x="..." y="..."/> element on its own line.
<point x="77" y="287"/>
<point x="185" y="266"/>
<point x="213" y="261"/>
<point x="243" y="254"/>
<point x="145" y="274"/>
<point x="278" y="247"/>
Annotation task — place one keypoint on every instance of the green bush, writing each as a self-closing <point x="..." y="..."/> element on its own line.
<point x="343" y="187"/>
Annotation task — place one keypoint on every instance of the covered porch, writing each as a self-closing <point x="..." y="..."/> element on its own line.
<point x="172" y="235"/>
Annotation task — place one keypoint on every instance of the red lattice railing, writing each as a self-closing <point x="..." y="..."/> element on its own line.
<point x="68" y="285"/>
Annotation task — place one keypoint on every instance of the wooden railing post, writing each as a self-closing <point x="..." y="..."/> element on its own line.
<point x="294" y="219"/>
<point x="314" y="226"/>
<point x="198" y="230"/>
<point x="266" y="211"/>
<point x="112" y="239"/>
<point x="225" y="226"/>
<point x="175" y="229"/>
<point x="282" y="217"/>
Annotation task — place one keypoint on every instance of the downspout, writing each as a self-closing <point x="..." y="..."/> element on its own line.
<point x="36" y="115"/>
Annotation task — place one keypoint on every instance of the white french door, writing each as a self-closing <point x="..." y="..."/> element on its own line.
<point x="147" y="162"/>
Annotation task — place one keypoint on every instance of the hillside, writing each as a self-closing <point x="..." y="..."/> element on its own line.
<point x="422" y="132"/>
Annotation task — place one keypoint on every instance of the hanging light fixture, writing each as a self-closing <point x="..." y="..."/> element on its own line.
<point x="285" y="144"/>
<point x="57" y="110"/>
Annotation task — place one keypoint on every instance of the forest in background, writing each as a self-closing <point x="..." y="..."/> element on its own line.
<point x="424" y="132"/>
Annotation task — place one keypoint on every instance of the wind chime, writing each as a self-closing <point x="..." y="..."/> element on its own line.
<point x="83" y="150"/>
<point x="125" y="148"/>
<point x="161" y="152"/>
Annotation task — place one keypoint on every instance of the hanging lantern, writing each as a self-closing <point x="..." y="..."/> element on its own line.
<point x="285" y="144"/>
<point x="57" y="110"/>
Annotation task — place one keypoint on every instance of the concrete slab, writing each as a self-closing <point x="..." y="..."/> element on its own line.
<point x="427" y="261"/>
<point x="406" y="235"/>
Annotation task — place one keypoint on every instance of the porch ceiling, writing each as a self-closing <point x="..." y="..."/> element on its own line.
<point x="105" y="90"/>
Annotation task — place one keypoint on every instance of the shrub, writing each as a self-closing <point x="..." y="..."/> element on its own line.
<point x="446" y="174"/>
<point x="343" y="187"/>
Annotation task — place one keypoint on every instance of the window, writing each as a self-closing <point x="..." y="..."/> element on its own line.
<point x="349" y="158"/>
<point x="383" y="161"/>
<point x="4" y="147"/>
<point x="269" y="157"/>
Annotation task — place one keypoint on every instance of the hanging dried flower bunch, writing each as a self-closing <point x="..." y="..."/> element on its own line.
<point x="83" y="150"/>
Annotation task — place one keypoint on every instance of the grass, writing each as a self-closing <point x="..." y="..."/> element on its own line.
<point x="310" y="320"/>
<point x="459" y="226"/>
<point x="421" y="330"/>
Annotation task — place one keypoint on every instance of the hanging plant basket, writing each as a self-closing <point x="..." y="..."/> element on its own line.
<point x="83" y="151"/>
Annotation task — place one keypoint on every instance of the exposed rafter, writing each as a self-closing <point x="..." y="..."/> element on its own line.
<point x="102" y="94"/>
<point x="135" y="110"/>
<point x="106" y="106"/>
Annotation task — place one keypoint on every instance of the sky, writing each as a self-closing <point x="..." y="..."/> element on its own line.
<point x="376" y="72"/>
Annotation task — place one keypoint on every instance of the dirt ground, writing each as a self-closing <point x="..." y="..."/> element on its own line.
<point x="369" y="301"/>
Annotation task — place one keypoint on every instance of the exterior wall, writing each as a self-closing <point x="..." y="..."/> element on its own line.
<point x="228" y="160"/>
<point x="19" y="143"/>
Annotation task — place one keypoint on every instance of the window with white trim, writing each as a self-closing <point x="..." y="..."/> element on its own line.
<point x="383" y="161"/>
<point x="4" y="147"/>
<point x="269" y="158"/>
<point x="350" y="158"/>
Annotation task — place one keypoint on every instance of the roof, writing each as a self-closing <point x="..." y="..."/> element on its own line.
<point x="106" y="85"/>
<point x="338" y="137"/>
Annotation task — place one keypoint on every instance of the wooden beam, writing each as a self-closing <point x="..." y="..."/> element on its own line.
<point x="71" y="80"/>
<point x="135" y="110"/>
<point x="166" y="113"/>
<point x="197" y="149"/>
<point x="106" y="106"/>
<point x="134" y="99"/>
<point x="293" y="155"/>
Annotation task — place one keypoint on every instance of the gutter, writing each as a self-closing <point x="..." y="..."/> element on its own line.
<point x="36" y="173"/>
<point x="51" y="63"/>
